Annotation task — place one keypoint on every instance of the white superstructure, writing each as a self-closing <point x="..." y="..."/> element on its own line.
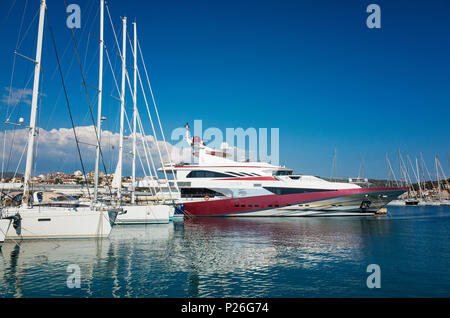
<point x="216" y="177"/>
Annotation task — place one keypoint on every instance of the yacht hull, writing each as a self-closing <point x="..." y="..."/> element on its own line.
<point x="346" y="202"/>
<point x="60" y="223"/>
<point x="145" y="214"/>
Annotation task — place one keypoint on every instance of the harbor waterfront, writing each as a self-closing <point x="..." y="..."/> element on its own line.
<point x="242" y="257"/>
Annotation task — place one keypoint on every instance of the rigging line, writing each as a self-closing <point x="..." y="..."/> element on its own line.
<point x="392" y="170"/>
<point x="137" y="151"/>
<point x="21" y="95"/>
<point x="443" y="173"/>
<point x="9" y="12"/>
<point x="9" y="117"/>
<point x="148" y="164"/>
<point x="20" y="159"/>
<point x="21" y="23"/>
<point x="27" y="30"/>
<point x="129" y="127"/>
<point x="145" y="146"/>
<point x="112" y="70"/>
<point x="129" y="86"/>
<point x="15" y="56"/>
<point x="423" y="174"/>
<point x="21" y="92"/>
<point x="88" y="68"/>
<point x="67" y="47"/>
<point x="408" y="160"/>
<point x="145" y="98"/>
<point x="11" y="82"/>
<point x="89" y="103"/>
<point x="406" y="172"/>
<point x="142" y="136"/>
<point x="150" y="117"/>
<point x="59" y="93"/>
<point x="153" y="128"/>
<point x="426" y="169"/>
<point x="88" y="18"/>
<point x="157" y="114"/>
<point x="143" y="169"/>
<point x="38" y="124"/>
<point x="69" y="40"/>
<point x="67" y="101"/>
<point x="115" y="67"/>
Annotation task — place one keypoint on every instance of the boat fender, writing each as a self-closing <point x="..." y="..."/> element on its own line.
<point x="17" y="222"/>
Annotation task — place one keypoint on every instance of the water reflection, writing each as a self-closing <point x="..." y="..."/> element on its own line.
<point x="254" y="250"/>
<point x="217" y="257"/>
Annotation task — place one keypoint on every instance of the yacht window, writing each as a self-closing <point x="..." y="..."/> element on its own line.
<point x="198" y="193"/>
<point x="282" y="172"/>
<point x="207" y="174"/>
<point x="282" y="190"/>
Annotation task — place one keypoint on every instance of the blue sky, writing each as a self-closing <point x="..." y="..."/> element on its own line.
<point x="310" y="68"/>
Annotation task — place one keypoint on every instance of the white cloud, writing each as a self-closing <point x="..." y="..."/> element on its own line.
<point x="56" y="150"/>
<point x="16" y="95"/>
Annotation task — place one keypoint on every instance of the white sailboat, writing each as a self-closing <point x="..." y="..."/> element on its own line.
<point x="134" y="213"/>
<point x="37" y="218"/>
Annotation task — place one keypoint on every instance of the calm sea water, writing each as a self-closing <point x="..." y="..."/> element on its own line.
<point x="244" y="257"/>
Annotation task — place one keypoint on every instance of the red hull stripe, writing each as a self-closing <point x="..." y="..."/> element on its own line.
<point x="237" y="205"/>
<point x="221" y="167"/>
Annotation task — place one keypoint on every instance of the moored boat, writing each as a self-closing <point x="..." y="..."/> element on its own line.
<point x="220" y="186"/>
<point x="50" y="216"/>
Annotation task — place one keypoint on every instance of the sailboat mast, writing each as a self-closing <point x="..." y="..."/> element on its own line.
<point x="438" y="176"/>
<point x="99" y="110"/>
<point x="122" y="108"/>
<point x="418" y="178"/>
<point x="133" y="169"/>
<point x="32" y="127"/>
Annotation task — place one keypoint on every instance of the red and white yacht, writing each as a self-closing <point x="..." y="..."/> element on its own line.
<point x="220" y="186"/>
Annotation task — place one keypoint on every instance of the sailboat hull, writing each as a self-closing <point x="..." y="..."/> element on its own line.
<point x="60" y="223"/>
<point x="4" y="227"/>
<point x="145" y="214"/>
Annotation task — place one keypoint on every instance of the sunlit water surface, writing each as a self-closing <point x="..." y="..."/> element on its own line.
<point x="243" y="257"/>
